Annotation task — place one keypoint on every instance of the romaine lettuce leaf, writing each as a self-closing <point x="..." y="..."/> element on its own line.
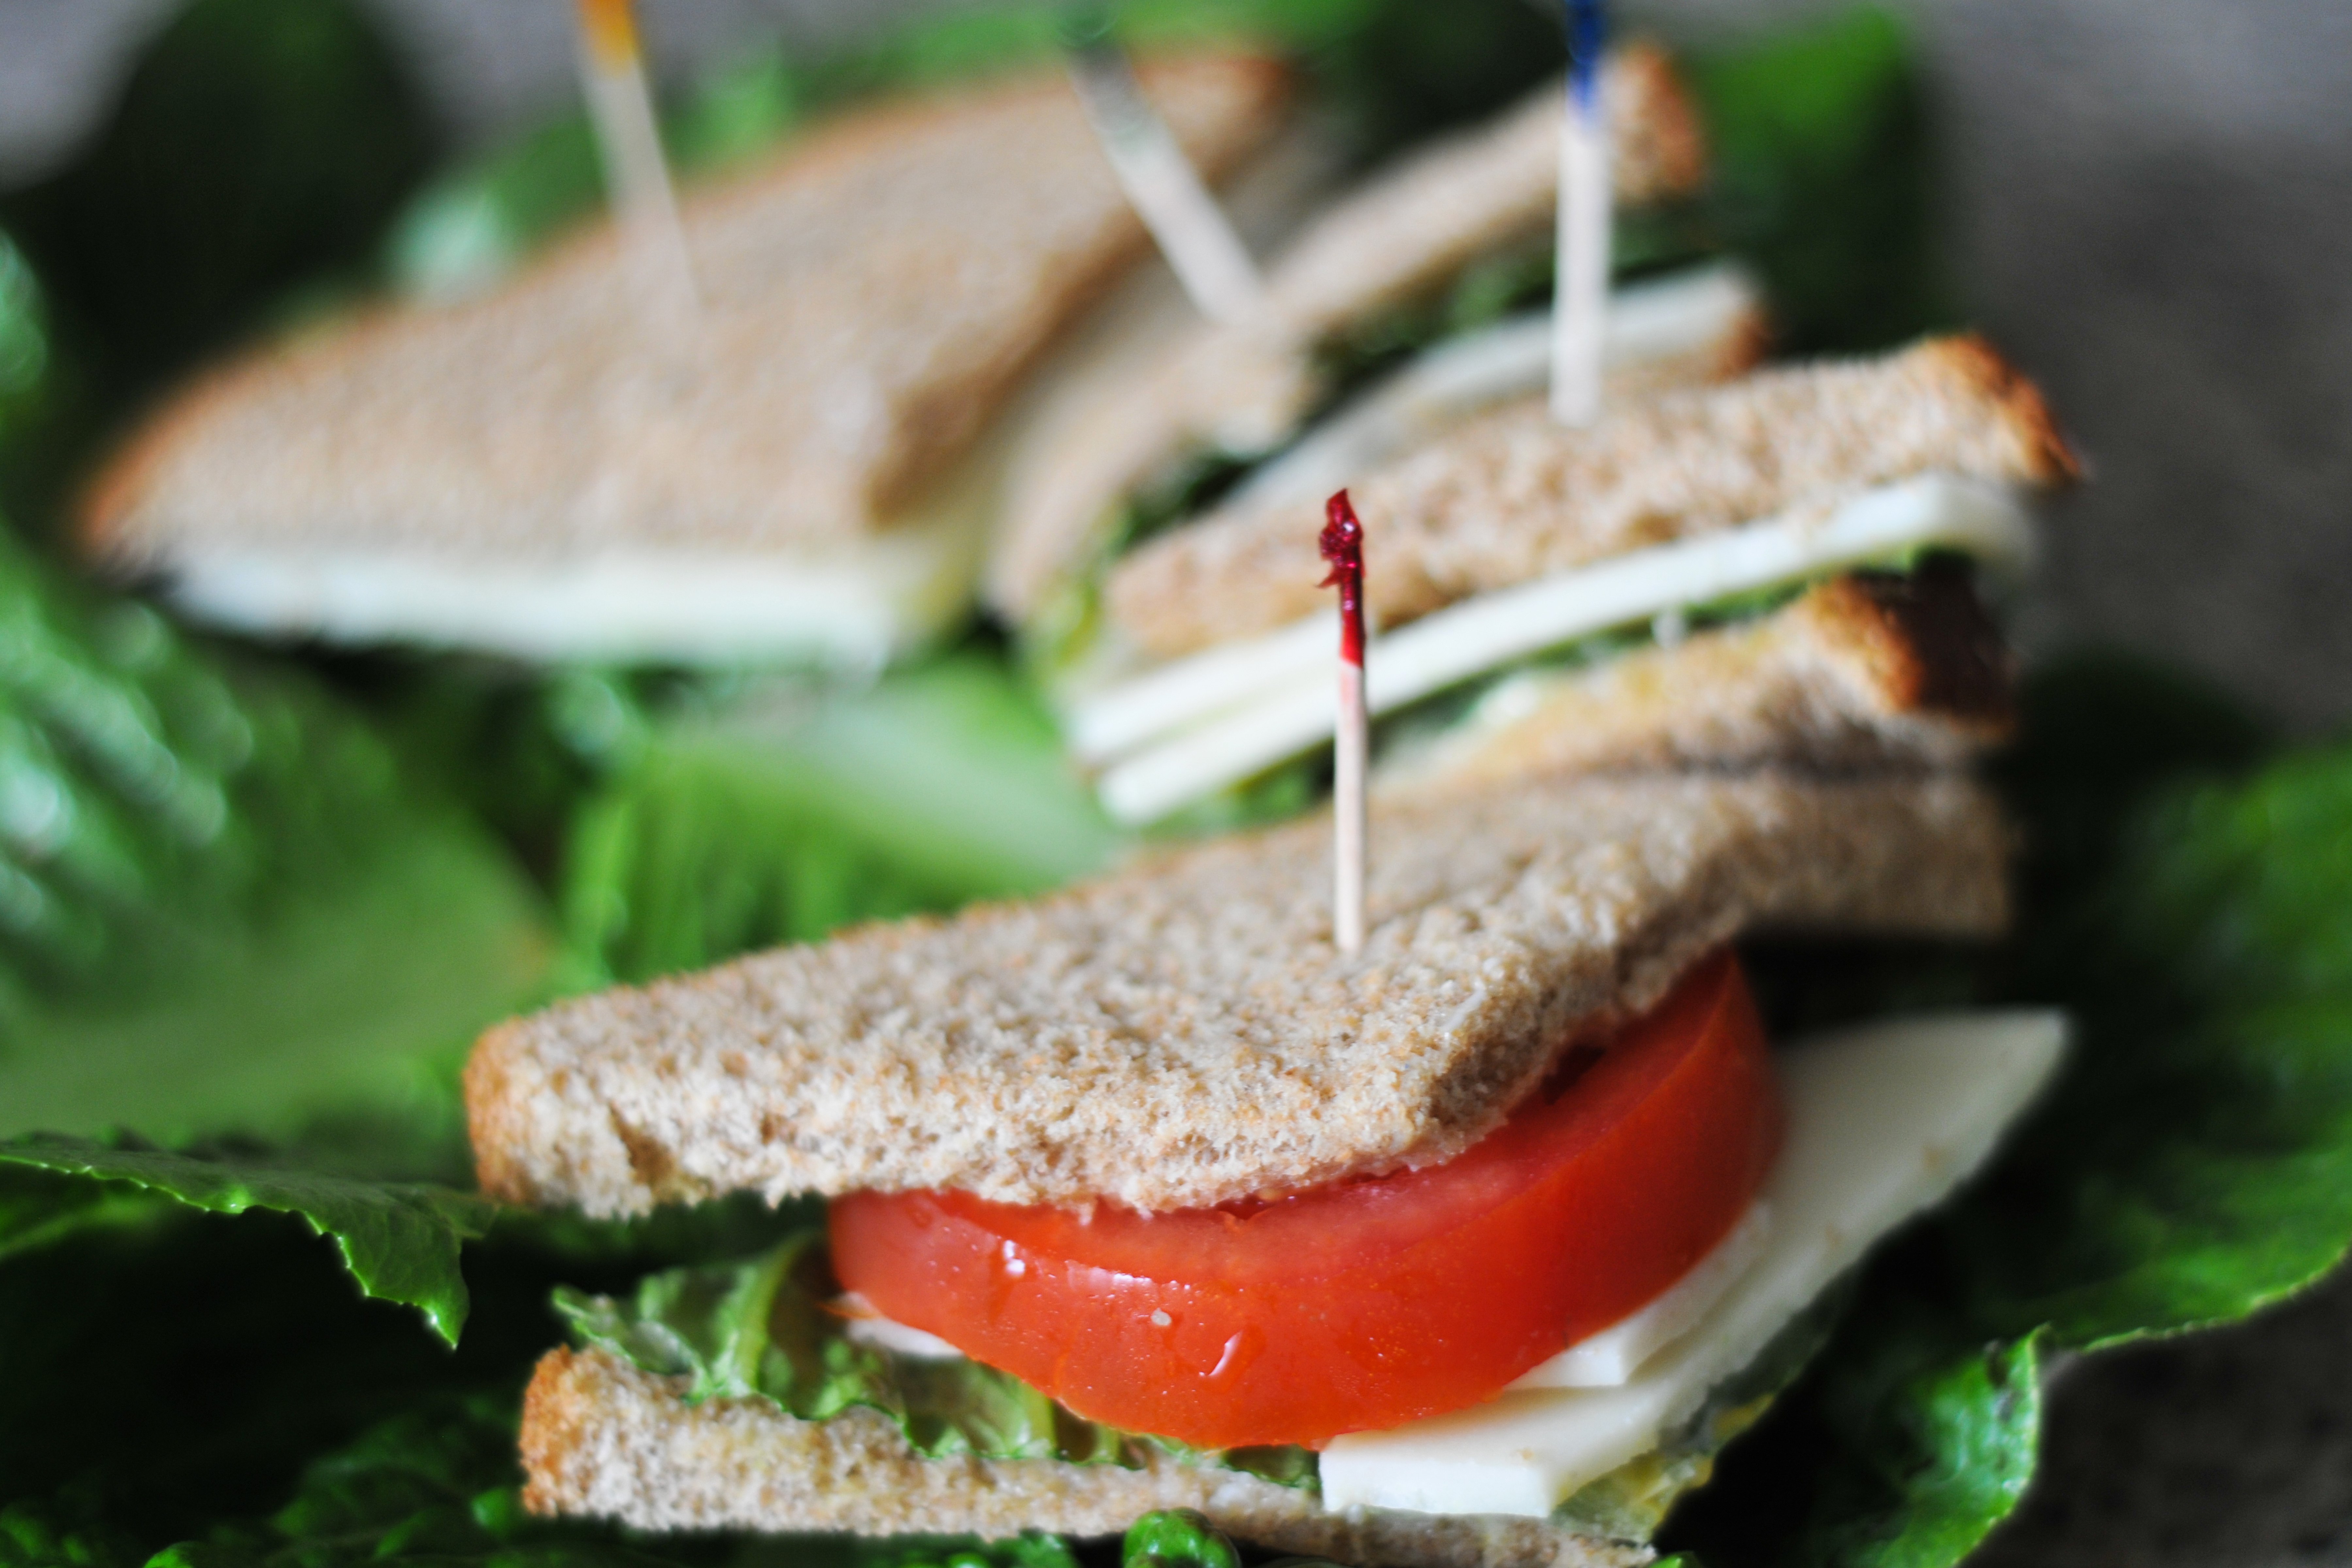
<point x="29" y="375"/>
<point x="1176" y="1538"/>
<point x="224" y="905"/>
<point x="1823" y="178"/>
<point x="761" y="1327"/>
<point x="2191" y="1167"/>
<point x="400" y="1240"/>
<point x="796" y="808"/>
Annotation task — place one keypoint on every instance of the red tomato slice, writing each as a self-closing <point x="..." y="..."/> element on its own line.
<point x="1366" y="1303"/>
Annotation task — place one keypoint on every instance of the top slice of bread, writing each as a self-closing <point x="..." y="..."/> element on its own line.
<point x="869" y="300"/>
<point x="1184" y="1033"/>
<point x="1513" y="496"/>
<point x="1396" y="237"/>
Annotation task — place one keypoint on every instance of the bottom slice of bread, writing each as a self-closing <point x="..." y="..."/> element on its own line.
<point x="602" y="1437"/>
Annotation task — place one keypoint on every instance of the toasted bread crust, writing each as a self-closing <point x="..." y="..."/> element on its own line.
<point x="1183" y="1033"/>
<point x="1512" y="497"/>
<point x="602" y="1438"/>
<point x="1656" y="118"/>
<point x="1871" y="670"/>
<point x="2052" y="459"/>
<point x="908" y="263"/>
<point x="1925" y="644"/>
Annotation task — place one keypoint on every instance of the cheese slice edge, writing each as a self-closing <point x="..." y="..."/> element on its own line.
<point x="1884" y="1121"/>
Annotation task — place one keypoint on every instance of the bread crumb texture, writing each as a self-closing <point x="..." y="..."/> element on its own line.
<point x="1511" y="497"/>
<point x="602" y="1438"/>
<point x="869" y="299"/>
<point x="1184" y="1033"/>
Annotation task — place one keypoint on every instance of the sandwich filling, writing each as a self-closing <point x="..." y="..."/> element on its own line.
<point x="1564" y="1322"/>
<point x="1190" y="729"/>
<point x="1294" y="1317"/>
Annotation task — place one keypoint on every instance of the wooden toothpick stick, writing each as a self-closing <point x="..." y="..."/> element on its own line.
<point x="1581" y="283"/>
<point x="1342" y="544"/>
<point x="1167" y="191"/>
<point x="636" y="172"/>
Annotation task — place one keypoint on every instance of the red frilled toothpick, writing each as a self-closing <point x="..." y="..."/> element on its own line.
<point x="1343" y="546"/>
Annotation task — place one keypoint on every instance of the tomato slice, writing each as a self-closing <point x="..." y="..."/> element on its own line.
<point x="1368" y="1303"/>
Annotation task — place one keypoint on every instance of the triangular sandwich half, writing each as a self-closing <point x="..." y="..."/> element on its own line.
<point x="554" y="470"/>
<point x="1512" y="543"/>
<point x="1182" y="1034"/>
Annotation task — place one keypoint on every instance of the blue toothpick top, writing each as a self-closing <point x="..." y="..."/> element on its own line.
<point x="1587" y="31"/>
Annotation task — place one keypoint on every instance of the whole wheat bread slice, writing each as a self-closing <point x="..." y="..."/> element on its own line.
<point x="1395" y="239"/>
<point x="602" y="1438"/>
<point x="1512" y="496"/>
<point x="1183" y="1033"/>
<point x="1869" y="670"/>
<point x="1478" y="192"/>
<point x="869" y="300"/>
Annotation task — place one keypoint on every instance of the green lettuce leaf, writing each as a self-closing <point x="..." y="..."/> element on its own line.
<point x="796" y="809"/>
<point x="2190" y="1168"/>
<point x="185" y="1377"/>
<point x="29" y="375"/>
<point x="224" y="905"/>
<point x="2213" y="979"/>
<point x="400" y="1241"/>
<point x="761" y="1328"/>
<point x="1822" y="167"/>
<point x="1176" y="1538"/>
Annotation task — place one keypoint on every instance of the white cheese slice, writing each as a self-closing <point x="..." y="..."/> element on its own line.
<point x="1609" y="1358"/>
<point x="1884" y="1121"/>
<point x="854" y="610"/>
<point x="1295" y="706"/>
<point x="853" y="606"/>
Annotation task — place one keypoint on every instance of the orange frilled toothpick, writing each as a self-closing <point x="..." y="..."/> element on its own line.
<point x="621" y="107"/>
<point x="1342" y="544"/>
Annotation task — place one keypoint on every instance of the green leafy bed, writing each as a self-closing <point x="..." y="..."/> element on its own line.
<point x="2190" y="1169"/>
<point x="253" y="905"/>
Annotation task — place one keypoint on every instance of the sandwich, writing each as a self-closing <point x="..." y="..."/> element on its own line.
<point x="1430" y="253"/>
<point x="1142" y="1197"/>
<point x="802" y="469"/>
<point x="1512" y="551"/>
<point x="1472" y="1247"/>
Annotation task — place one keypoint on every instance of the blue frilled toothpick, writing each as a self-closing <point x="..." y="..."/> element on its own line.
<point x="1580" y="288"/>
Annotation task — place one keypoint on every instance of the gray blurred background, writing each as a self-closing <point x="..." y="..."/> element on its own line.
<point x="2149" y="204"/>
